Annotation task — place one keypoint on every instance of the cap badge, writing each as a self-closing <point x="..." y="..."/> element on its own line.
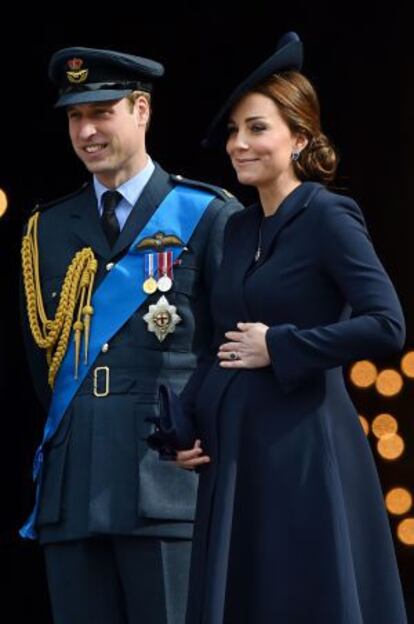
<point x="76" y="74"/>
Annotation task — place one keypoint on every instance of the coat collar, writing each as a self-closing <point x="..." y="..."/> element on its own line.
<point x="87" y="224"/>
<point x="291" y="207"/>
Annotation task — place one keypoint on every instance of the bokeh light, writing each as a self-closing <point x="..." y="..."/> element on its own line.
<point x="3" y="202"/>
<point x="407" y="364"/>
<point x="364" y="423"/>
<point x="405" y="531"/>
<point x="391" y="447"/>
<point x="398" y="501"/>
<point x="389" y="382"/>
<point x="363" y="374"/>
<point x="384" y="425"/>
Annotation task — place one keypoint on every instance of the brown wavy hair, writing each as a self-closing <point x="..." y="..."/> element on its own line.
<point x="298" y="104"/>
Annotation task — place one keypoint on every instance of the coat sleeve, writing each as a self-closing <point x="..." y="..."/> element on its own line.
<point x="376" y="328"/>
<point x="215" y="244"/>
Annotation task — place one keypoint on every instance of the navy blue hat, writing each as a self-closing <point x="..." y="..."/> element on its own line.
<point x="89" y="75"/>
<point x="287" y="56"/>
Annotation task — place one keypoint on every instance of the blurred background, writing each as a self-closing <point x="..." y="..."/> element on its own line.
<point x="362" y="67"/>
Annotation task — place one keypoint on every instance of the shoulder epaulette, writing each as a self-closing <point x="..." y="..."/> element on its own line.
<point x="220" y="192"/>
<point x="46" y="205"/>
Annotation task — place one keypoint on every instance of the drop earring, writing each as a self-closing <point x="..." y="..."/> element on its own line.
<point x="295" y="155"/>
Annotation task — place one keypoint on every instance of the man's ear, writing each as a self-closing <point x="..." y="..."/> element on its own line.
<point x="142" y="110"/>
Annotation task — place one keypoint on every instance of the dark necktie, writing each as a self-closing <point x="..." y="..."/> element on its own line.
<point x="110" y="224"/>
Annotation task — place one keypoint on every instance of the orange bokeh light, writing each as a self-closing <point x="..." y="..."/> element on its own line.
<point x="405" y="531"/>
<point x="391" y="447"/>
<point x="363" y="374"/>
<point x="364" y="424"/>
<point x="3" y="202"/>
<point x="398" y="501"/>
<point x="407" y="364"/>
<point x="389" y="382"/>
<point x="384" y="425"/>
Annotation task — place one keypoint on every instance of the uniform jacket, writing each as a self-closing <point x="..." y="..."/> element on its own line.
<point x="99" y="476"/>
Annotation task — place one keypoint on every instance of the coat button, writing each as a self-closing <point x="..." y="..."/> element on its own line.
<point x="54" y="293"/>
<point x="105" y="347"/>
<point x="109" y="266"/>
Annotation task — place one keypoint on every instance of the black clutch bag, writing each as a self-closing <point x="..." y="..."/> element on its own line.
<point x="174" y="430"/>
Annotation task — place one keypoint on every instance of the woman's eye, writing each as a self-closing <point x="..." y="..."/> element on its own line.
<point x="231" y="130"/>
<point x="258" y="128"/>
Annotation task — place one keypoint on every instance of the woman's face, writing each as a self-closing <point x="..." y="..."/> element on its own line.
<point x="260" y="143"/>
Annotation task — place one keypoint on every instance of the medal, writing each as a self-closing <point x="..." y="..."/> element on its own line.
<point x="164" y="283"/>
<point x="162" y="318"/>
<point x="150" y="286"/>
<point x="165" y="271"/>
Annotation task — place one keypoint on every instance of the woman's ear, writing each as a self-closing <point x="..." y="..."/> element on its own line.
<point x="300" y="142"/>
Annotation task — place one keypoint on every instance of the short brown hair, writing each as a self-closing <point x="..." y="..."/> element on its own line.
<point x="298" y="104"/>
<point x="132" y="98"/>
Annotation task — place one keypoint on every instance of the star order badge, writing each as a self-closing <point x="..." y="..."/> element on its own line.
<point x="162" y="318"/>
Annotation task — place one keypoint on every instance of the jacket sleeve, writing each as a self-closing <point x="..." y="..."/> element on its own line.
<point x="376" y="328"/>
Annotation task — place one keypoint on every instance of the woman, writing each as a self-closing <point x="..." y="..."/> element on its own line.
<point x="290" y="523"/>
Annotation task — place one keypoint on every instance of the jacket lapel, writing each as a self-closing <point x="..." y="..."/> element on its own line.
<point x="86" y="224"/>
<point x="156" y="189"/>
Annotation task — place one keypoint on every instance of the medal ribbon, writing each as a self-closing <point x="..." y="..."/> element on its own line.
<point x="149" y="265"/>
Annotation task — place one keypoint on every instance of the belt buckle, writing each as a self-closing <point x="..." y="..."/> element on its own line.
<point x="96" y="371"/>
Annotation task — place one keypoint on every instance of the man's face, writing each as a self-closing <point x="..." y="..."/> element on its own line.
<point x="109" y="137"/>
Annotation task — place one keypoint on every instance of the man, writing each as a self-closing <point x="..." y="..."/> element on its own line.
<point x="117" y="280"/>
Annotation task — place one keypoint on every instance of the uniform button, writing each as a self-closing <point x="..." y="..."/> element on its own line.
<point x="109" y="266"/>
<point x="54" y="293"/>
<point x="105" y="347"/>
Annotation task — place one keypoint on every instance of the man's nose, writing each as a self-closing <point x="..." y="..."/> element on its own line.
<point x="87" y="130"/>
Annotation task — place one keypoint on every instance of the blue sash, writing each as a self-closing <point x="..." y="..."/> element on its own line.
<point x="120" y="293"/>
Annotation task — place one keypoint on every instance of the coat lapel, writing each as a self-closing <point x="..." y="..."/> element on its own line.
<point x="289" y="209"/>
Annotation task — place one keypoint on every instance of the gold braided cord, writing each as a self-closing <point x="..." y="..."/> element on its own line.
<point x="53" y="334"/>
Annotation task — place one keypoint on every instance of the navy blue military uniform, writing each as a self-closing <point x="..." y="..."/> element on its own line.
<point x="102" y="488"/>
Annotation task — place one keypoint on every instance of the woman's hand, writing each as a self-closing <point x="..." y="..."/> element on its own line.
<point x="192" y="458"/>
<point x="247" y="347"/>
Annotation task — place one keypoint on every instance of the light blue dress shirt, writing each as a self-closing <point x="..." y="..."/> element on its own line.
<point x="130" y="191"/>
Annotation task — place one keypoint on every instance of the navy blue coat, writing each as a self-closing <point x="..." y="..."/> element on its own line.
<point x="99" y="476"/>
<point x="291" y="525"/>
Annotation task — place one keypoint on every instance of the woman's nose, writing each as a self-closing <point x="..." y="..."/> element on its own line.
<point x="238" y="141"/>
